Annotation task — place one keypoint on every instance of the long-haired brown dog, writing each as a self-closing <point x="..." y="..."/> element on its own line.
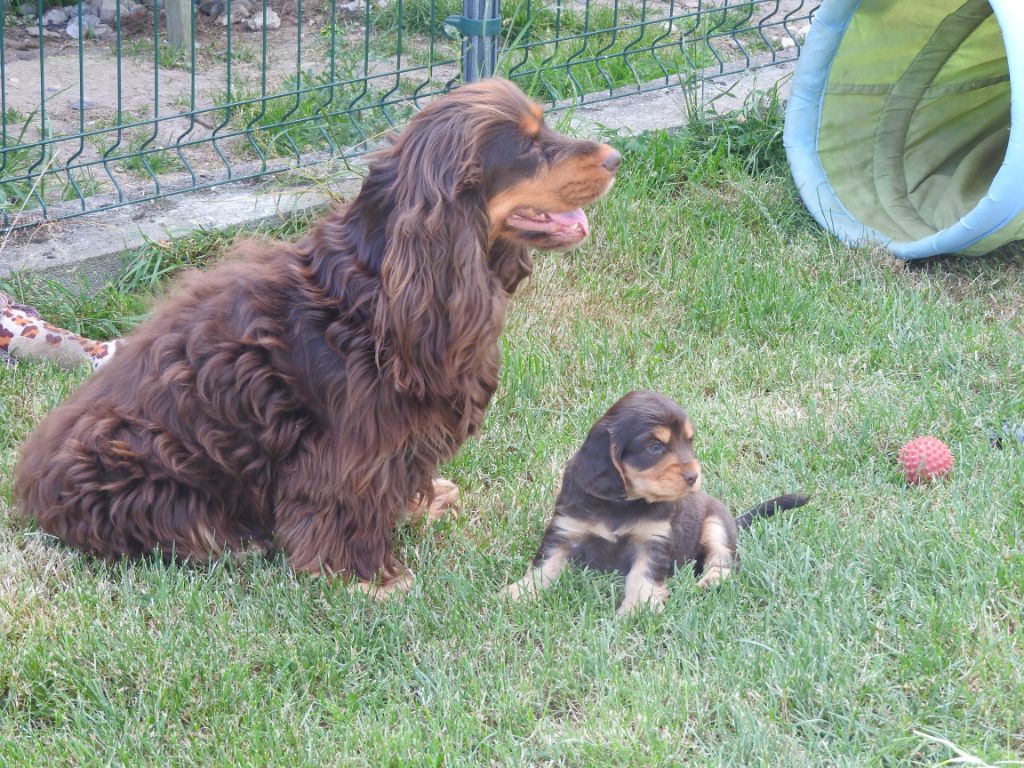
<point x="302" y="395"/>
<point x="631" y="502"/>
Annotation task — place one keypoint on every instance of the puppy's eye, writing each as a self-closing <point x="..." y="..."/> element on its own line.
<point x="656" y="447"/>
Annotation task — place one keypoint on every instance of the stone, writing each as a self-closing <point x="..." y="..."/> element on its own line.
<point x="108" y="10"/>
<point x="55" y="17"/>
<point x="28" y="10"/>
<point x="212" y="7"/>
<point x="238" y="15"/>
<point x="353" y="10"/>
<point x="84" y="104"/>
<point x="88" y="24"/>
<point x="269" y="18"/>
<point x="240" y="11"/>
<point x="53" y="34"/>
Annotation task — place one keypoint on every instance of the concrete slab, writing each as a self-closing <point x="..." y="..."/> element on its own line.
<point x="669" y="108"/>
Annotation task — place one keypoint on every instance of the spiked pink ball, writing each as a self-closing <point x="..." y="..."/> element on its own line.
<point x="924" y="459"/>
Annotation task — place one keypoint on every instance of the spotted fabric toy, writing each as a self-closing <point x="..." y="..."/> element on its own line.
<point x="23" y="333"/>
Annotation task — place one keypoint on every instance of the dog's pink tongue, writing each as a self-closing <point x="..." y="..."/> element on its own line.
<point x="571" y="221"/>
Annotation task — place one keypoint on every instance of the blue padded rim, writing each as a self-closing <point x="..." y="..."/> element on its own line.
<point x="1004" y="200"/>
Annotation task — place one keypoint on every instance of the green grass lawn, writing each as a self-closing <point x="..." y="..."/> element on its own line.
<point x="878" y="626"/>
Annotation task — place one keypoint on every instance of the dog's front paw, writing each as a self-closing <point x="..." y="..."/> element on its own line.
<point x="382" y="590"/>
<point x="714" y="577"/>
<point x="446" y="495"/>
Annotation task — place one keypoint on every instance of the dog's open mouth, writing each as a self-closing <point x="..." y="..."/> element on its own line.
<point x="570" y="227"/>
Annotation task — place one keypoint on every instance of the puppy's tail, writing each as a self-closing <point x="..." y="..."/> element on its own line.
<point x="770" y="507"/>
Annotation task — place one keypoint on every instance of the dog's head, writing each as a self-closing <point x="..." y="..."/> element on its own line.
<point x="536" y="181"/>
<point x="642" y="448"/>
<point x="482" y="164"/>
<point x="449" y="212"/>
<point x="487" y="144"/>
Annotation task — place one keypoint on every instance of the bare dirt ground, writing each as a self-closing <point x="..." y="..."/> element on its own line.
<point x="143" y="92"/>
<point x="147" y="91"/>
<point x="138" y="79"/>
<point x="159" y="98"/>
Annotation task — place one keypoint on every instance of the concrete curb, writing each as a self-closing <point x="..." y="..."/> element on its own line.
<point x="91" y="248"/>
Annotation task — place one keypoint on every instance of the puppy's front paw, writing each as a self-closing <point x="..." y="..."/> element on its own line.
<point x="714" y="577"/>
<point x="651" y="605"/>
<point x="524" y="589"/>
<point x="654" y="600"/>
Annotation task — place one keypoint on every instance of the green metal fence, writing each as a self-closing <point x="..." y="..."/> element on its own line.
<point x="98" y="114"/>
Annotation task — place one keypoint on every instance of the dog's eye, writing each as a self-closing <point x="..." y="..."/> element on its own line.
<point x="656" y="447"/>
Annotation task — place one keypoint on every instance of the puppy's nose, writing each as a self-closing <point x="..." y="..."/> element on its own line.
<point x="691" y="478"/>
<point x="611" y="163"/>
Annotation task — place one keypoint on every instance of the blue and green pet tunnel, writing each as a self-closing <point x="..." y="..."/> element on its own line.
<point x="905" y="123"/>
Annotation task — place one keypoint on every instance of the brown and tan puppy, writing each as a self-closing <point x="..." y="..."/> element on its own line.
<point x="631" y="502"/>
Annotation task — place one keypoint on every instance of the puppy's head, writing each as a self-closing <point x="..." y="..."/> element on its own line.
<point x="642" y="448"/>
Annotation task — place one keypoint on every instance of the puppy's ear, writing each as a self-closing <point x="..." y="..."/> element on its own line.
<point x="598" y="465"/>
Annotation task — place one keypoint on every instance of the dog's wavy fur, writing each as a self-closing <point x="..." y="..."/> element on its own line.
<point x="300" y="396"/>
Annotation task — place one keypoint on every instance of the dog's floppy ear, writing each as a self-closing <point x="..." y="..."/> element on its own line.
<point x="598" y="465"/>
<point x="437" y="309"/>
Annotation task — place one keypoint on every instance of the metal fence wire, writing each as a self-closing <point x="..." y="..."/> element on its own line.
<point x="112" y="102"/>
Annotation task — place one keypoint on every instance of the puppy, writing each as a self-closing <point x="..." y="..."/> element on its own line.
<point x="631" y="502"/>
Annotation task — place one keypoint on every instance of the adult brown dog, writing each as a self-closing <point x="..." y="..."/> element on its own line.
<point x="631" y="502"/>
<point x="301" y="396"/>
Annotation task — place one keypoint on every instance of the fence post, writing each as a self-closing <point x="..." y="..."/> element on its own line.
<point x="179" y="23"/>
<point x="481" y="30"/>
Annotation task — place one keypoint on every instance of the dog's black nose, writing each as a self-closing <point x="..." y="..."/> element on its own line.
<point x="691" y="478"/>
<point x="611" y="163"/>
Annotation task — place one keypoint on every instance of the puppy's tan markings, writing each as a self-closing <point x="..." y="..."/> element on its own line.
<point x="530" y="125"/>
<point x="641" y="589"/>
<point x="688" y="430"/>
<point x="718" y="558"/>
<point x="644" y="531"/>
<point x="640" y="531"/>
<point x="663" y="434"/>
<point x="577" y="529"/>
<point x="662" y="482"/>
